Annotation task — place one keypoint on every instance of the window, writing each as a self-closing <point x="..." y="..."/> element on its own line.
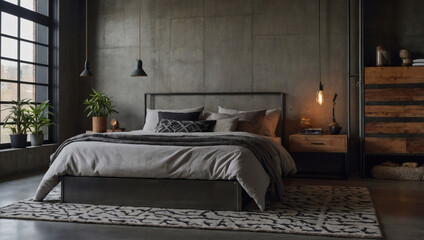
<point x="25" y="55"/>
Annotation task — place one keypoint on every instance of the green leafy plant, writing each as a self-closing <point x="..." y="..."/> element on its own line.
<point x="18" y="119"/>
<point x="99" y="105"/>
<point x="38" y="120"/>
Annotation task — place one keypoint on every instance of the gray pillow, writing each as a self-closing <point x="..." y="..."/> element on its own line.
<point x="224" y="122"/>
<point x="271" y="119"/>
<point x="249" y="121"/>
<point x="226" y="125"/>
<point x="152" y="116"/>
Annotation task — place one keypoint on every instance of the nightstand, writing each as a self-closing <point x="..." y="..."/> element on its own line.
<point x="320" y="155"/>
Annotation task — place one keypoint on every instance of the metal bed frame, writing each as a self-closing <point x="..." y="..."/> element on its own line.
<point x="165" y="193"/>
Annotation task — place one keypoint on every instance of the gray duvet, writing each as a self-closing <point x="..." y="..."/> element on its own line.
<point x="257" y="163"/>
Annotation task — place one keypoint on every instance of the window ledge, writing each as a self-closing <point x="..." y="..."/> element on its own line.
<point x="28" y="148"/>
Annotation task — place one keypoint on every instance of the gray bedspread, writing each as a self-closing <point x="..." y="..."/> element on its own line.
<point x="256" y="162"/>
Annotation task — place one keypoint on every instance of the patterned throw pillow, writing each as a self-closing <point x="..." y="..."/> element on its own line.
<point x="174" y="126"/>
<point x="152" y="118"/>
<point x="188" y="116"/>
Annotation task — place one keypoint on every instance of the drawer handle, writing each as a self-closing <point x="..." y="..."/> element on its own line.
<point x="315" y="143"/>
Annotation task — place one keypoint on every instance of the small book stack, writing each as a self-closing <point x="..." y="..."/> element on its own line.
<point x="418" y="62"/>
<point x="312" y="131"/>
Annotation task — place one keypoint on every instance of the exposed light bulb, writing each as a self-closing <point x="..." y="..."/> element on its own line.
<point x="320" y="97"/>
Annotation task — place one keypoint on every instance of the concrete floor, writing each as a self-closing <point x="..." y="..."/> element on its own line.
<point x="399" y="205"/>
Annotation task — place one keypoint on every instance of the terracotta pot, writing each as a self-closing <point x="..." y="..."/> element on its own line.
<point x="99" y="124"/>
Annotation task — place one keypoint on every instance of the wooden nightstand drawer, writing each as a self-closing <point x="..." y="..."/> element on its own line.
<point x="318" y="143"/>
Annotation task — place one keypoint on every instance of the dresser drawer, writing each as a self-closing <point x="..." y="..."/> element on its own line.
<point x="318" y="143"/>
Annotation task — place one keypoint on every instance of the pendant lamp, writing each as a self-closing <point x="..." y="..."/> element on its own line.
<point x="319" y="97"/>
<point x="86" y="72"/>
<point x="139" y="72"/>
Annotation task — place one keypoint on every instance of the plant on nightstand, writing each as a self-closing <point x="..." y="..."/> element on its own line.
<point x="18" y="121"/>
<point x="99" y="107"/>
<point x="38" y="120"/>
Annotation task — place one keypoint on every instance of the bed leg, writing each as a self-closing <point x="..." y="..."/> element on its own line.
<point x="62" y="189"/>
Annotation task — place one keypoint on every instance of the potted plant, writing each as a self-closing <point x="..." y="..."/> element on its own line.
<point x="38" y="120"/>
<point x="18" y="121"/>
<point x="99" y="107"/>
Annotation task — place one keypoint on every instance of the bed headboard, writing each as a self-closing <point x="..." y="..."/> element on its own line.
<point x="149" y="101"/>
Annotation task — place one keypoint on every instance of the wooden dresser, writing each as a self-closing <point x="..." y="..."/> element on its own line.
<point x="394" y="110"/>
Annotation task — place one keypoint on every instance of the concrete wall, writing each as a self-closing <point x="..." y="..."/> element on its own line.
<point x="72" y="89"/>
<point x="221" y="45"/>
<point x="20" y="161"/>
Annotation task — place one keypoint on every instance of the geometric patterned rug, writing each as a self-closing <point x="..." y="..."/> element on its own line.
<point x="306" y="209"/>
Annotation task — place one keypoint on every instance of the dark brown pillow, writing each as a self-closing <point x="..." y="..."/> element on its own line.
<point x="272" y="117"/>
<point x="250" y="121"/>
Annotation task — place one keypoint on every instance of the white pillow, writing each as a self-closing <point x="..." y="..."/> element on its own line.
<point x="152" y="116"/>
<point x="271" y="119"/>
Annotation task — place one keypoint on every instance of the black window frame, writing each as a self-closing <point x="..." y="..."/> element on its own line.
<point x="48" y="21"/>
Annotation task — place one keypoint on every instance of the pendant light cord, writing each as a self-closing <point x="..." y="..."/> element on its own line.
<point x="319" y="39"/>
<point x="139" y="32"/>
<point x="86" y="30"/>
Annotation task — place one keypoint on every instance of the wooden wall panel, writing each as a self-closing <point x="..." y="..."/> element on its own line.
<point x="384" y="111"/>
<point x="395" y="127"/>
<point x="377" y="80"/>
<point x="394" y="145"/>
<point x="394" y="111"/>
<point x="393" y="75"/>
<point x="385" y="145"/>
<point x="415" y="145"/>
<point x="414" y="111"/>
<point x="394" y="94"/>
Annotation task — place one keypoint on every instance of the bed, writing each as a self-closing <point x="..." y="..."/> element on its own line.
<point x="106" y="169"/>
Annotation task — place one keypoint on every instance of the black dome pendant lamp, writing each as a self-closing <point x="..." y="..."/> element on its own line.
<point x="139" y="72"/>
<point x="86" y="72"/>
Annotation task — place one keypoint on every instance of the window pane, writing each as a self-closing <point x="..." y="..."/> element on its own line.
<point x="9" y="91"/>
<point x="34" y="32"/>
<point x="9" y="24"/>
<point x="33" y="73"/>
<point x="34" y="53"/>
<point x="4" y="111"/>
<point x="27" y="72"/>
<point x="9" y="70"/>
<point x="40" y="6"/>
<point x="28" y="92"/>
<point x="12" y="1"/>
<point x="41" y="74"/>
<point x="46" y="132"/>
<point x="29" y="4"/>
<point x="34" y="93"/>
<point x="5" y="132"/>
<point x="9" y="48"/>
<point x="41" y="93"/>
